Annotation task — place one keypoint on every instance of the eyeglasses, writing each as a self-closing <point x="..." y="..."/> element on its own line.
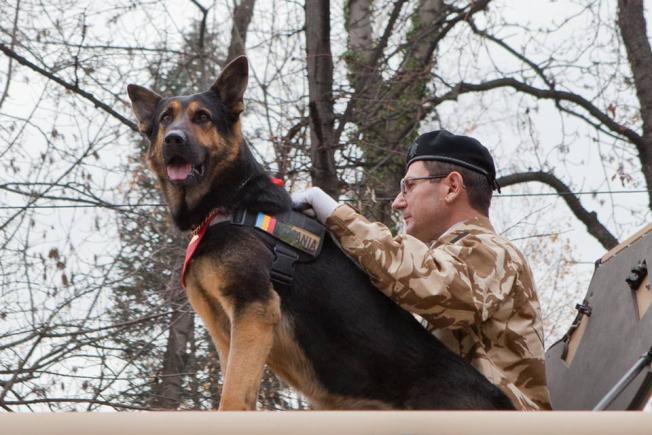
<point x="407" y="184"/>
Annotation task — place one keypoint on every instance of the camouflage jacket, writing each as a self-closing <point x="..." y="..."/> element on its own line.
<point x="473" y="289"/>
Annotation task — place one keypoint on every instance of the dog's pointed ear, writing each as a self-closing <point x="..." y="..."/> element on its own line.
<point x="232" y="83"/>
<point x="143" y="103"/>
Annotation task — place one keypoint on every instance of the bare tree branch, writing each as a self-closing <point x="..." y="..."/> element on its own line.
<point x="463" y="87"/>
<point x="590" y="219"/>
<point x="70" y="400"/>
<point x="88" y="96"/>
<point x="5" y="92"/>
<point x="536" y="68"/>
<point x="202" y="25"/>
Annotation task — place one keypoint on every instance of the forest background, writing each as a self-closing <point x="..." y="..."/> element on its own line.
<point x="91" y="313"/>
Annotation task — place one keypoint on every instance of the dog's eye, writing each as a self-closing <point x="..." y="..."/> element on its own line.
<point x="165" y="118"/>
<point x="201" y="118"/>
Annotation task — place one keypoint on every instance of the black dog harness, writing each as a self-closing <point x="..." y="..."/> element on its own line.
<point x="291" y="237"/>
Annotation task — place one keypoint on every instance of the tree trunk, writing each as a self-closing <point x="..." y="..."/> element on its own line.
<point x="242" y="15"/>
<point x="633" y="29"/>
<point x="320" y="95"/>
<point x="182" y="323"/>
<point x="387" y="112"/>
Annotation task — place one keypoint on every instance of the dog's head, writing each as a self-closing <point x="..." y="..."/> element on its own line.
<point x="193" y="140"/>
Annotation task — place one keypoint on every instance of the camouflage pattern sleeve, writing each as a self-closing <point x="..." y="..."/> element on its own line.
<point x="450" y="286"/>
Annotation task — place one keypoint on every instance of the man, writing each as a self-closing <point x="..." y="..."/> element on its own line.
<point x="473" y="288"/>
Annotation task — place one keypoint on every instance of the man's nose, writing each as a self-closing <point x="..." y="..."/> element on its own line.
<point x="399" y="202"/>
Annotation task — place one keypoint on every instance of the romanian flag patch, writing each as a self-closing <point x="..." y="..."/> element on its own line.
<point x="266" y="223"/>
<point x="293" y="235"/>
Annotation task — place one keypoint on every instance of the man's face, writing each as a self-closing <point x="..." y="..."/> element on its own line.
<point x="424" y="210"/>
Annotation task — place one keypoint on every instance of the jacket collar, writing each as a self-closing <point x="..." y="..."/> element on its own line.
<point x="460" y="229"/>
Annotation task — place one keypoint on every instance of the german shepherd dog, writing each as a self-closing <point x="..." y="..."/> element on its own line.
<point x="330" y="334"/>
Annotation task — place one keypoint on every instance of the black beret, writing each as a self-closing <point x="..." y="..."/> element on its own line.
<point x="444" y="146"/>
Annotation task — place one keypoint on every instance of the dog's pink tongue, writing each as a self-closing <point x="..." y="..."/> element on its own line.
<point x="179" y="172"/>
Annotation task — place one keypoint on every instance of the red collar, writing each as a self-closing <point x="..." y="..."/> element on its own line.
<point x="197" y="236"/>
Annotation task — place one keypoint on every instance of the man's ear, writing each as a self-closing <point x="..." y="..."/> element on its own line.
<point x="143" y="103"/>
<point x="455" y="183"/>
<point x="232" y="83"/>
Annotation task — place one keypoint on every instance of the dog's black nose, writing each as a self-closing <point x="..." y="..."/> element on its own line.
<point x="175" y="137"/>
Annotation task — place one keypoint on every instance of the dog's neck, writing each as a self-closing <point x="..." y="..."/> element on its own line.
<point x="244" y="185"/>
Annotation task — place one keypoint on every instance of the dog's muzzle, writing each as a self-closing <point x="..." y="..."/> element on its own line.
<point x="180" y="158"/>
<point x="174" y="145"/>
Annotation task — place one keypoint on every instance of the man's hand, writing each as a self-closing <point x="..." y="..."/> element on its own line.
<point x="316" y="199"/>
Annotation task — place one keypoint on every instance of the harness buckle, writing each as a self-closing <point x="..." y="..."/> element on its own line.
<point x="282" y="270"/>
<point x="239" y="216"/>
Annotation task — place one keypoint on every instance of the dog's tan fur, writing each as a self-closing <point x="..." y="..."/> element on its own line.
<point x="243" y="336"/>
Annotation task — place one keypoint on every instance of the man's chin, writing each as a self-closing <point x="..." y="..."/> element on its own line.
<point x="408" y="228"/>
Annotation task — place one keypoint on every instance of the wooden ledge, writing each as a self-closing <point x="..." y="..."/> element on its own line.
<point x="329" y="422"/>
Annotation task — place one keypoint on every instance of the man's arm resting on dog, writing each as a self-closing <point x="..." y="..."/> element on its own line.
<point x="440" y="284"/>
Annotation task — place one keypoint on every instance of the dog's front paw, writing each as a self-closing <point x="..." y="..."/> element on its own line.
<point x="234" y="406"/>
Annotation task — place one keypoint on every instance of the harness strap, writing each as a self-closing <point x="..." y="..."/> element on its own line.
<point x="291" y="236"/>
